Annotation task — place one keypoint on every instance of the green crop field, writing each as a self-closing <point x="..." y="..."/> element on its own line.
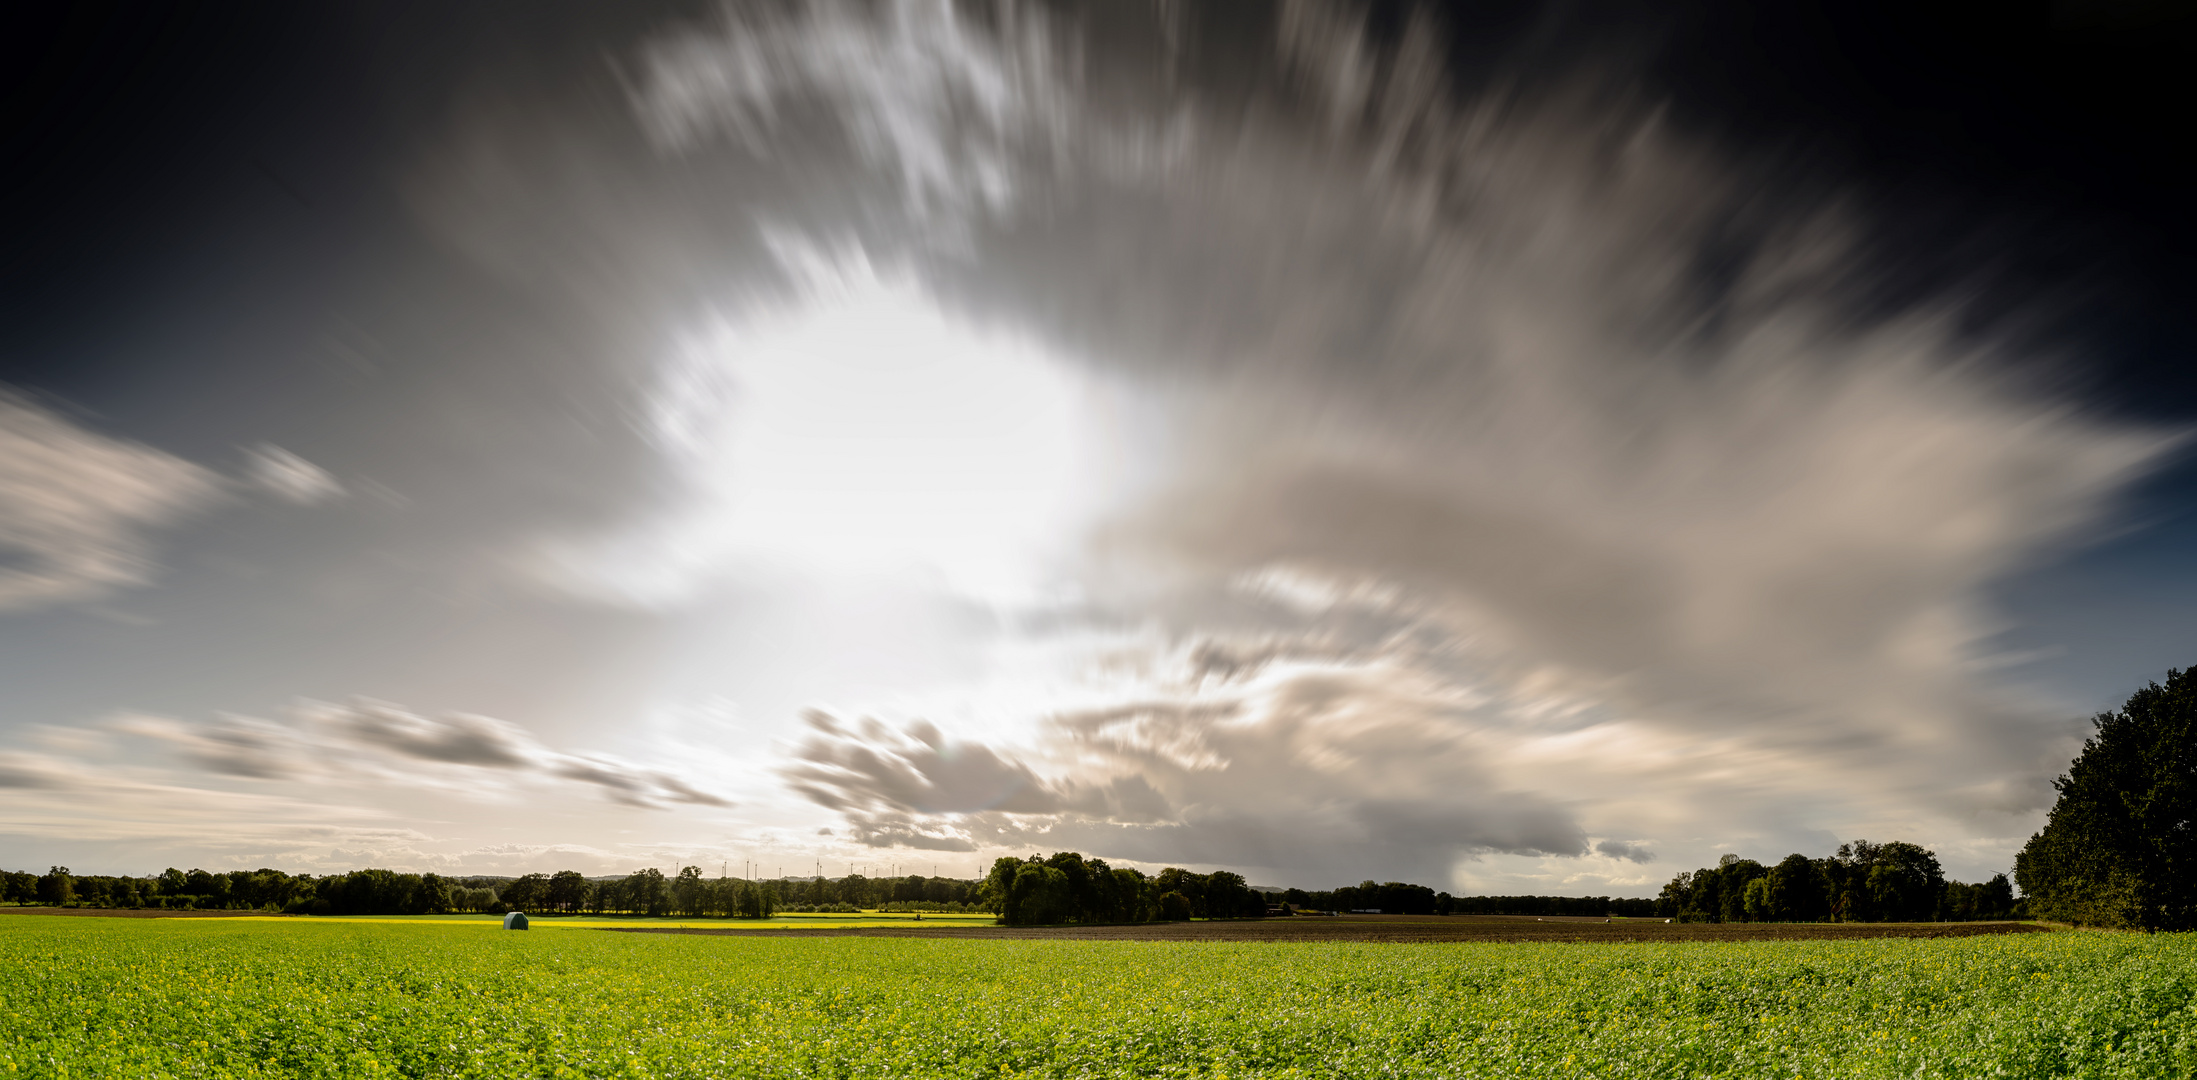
<point x="223" y="998"/>
<point x="795" y="921"/>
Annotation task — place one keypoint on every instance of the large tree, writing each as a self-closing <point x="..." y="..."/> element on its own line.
<point x="2120" y="848"/>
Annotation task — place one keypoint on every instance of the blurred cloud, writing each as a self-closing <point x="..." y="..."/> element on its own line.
<point x="290" y="477"/>
<point x="33" y="772"/>
<point x="457" y="738"/>
<point x="1306" y="769"/>
<point x="1619" y="849"/>
<point x="52" y="798"/>
<point x="233" y="746"/>
<point x="376" y="742"/>
<point x="955" y="108"/>
<point x="77" y="507"/>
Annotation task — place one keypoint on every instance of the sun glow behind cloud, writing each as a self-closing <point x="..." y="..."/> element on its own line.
<point x="862" y="432"/>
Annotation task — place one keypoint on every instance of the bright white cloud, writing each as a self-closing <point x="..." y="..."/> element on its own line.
<point x="861" y="431"/>
<point x="76" y="507"/>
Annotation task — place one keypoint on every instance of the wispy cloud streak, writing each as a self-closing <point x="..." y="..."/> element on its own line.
<point x="77" y="507"/>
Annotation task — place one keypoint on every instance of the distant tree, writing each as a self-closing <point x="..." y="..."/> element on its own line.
<point x="1174" y="907"/>
<point x="1131" y="898"/>
<point x="1040" y="895"/>
<point x="1795" y="891"/>
<point x="1734" y="875"/>
<point x="1756" y="901"/>
<point x="1190" y="885"/>
<point x="1677" y="893"/>
<point x="434" y="894"/>
<point x="646" y="892"/>
<point x="1890" y="882"/>
<point x="686" y="891"/>
<point x="20" y="887"/>
<point x="1081" y="898"/>
<point x="58" y="886"/>
<point x="1905" y="882"/>
<point x="992" y="893"/>
<point x="371" y="892"/>
<point x="210" y="888"/>
<point x="2120" y="846"/>
<point x="568" y="890"/>
<point x="753" y="900"/>
<point x="527" y="893"/>
<point x="1227" y="896"/>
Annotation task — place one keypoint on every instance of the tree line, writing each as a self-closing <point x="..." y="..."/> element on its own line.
<point x="1863" y="882"/>
<point x="1066" y="887"/>
<point x="388" y="892"/>
<point x="1071" y="888"/>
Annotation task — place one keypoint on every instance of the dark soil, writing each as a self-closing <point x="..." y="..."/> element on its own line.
<point x="1409" y="928"/>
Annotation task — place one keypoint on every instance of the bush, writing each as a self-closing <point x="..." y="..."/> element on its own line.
<point x="1174" y="907"/>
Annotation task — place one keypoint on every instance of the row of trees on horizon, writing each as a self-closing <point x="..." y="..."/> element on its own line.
<point x="1066" y="887"/>
<point x="1862" y="882"/>
<point x="385" y="892"/>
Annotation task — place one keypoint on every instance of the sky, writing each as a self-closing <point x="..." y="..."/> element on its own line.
<point x="1516" y="448"/>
